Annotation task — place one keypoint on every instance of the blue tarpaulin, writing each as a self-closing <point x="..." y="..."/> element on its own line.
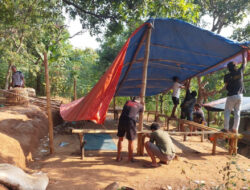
<point x="177" y="48"/>
<point x="99" y="142"/>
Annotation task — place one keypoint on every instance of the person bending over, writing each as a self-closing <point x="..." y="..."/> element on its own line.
<point x="160" y="145"/>
<point x="198" y="115"/>
<point x="127" y="125"/>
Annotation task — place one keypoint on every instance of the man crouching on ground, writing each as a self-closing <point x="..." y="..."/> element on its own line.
<point x="163" y="148"/>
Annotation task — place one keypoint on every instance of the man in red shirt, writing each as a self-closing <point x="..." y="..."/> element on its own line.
<point x="127" y="125"/>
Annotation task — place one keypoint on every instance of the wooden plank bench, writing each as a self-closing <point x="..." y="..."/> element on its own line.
<point x="216" y="134"/>
<point x="167" y="120"/>
<point x="82" y="132"/>
<point x="151" y="113"/>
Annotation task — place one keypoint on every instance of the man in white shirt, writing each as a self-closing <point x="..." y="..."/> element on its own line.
<point x="176" y="94"/>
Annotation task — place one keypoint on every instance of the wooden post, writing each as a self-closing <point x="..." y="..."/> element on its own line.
<point x="115" y="114"/>
<point x="51" y="144"/>
<point x="214" y="144"/>
<point x="156" y="107"/>
<point x="75" y="93"/>
<point x="208" y="118"/>
<point x="202" y="136"/>
<point x="143" y="88"/>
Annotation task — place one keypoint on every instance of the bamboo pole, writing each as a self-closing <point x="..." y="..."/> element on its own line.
<point x="143" y="88"/>
<point x="51" y="144"/>
<point x="131" y="63"/>
<point x="115" y="115"/>
<point x="156" y="107"/>
<point x="75" y="93"/>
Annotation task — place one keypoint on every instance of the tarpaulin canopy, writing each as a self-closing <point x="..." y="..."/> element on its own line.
<point x="177" y="48"/>
<point x="219" y="105"/>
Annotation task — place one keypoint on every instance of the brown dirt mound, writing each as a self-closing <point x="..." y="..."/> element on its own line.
<point x="21" y="129"/>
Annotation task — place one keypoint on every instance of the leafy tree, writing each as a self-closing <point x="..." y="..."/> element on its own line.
<point x="242" y="34"/>
<point x="223" y="12"/>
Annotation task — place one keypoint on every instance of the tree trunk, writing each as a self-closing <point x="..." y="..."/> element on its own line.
<point x="38" y="84"/>
<point x="75" y="93"/>
<point x="48" y="103"/>
<point x="7" y="81"/>
<point x="161" y="103"/>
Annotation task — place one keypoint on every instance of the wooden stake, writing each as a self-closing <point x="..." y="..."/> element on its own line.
<point x="143" y="88"/>
<point x="115" y="113"/>
<point x="75" y="93"/>
<point x="51" y="144"/>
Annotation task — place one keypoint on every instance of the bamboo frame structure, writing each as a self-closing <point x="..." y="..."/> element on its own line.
<point x="51" y="144"/>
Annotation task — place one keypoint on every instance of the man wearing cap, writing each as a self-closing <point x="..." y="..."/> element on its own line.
<point x="17" y="78"/>
<point x="127" y="125"/>
<point x="160" y="145"/>
<point x="235" y="88"/>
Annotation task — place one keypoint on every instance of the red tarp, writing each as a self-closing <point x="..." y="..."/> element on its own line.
<point x="95" y="105"/>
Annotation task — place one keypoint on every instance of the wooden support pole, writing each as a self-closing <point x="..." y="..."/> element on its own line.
<point x="51" y="144"/>
<point x="75" y="93"/>
<point x="202" y="136"/>
<point x="156" y="107"/>
<point x="208" y="118"/>
<point x="214" y="144"/>
<point x="143" y="88"/>
<point x="115" y="113"/>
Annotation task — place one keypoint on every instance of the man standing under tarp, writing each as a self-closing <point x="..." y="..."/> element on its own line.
<point x="235" y="88"/>
<point x="127" y="125"/>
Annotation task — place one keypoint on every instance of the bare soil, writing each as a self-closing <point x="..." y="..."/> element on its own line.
<point x="98" y="169"/>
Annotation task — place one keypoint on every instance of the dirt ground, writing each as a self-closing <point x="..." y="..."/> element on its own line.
<point x="21" y="129"/>
<point x="196" y="165"/>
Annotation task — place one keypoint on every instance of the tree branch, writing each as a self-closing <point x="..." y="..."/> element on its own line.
<point x="78" y="33"/>
<point x="101" y="17"/>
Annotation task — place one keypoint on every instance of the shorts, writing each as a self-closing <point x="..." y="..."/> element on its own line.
<point x="175" y="100"/>
<point x="128" y="127"/>
<point x="157" y="152"/>
<point x="187" y="114"/>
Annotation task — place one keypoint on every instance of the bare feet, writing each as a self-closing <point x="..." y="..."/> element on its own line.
<point x="118" y="159"/>
<point x="234" y="131"/>
<point x="151" y="165"/>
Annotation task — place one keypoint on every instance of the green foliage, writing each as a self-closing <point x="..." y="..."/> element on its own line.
<point x="242" y="34"/>
<point x="223" y="13"/>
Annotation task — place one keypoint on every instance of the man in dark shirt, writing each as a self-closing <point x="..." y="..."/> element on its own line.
<point x="187" y="105"/>
<point x="235" y="87"/>
<point x="127" y="125"/>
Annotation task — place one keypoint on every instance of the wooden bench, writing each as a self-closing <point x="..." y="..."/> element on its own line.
<point x="167" y="120"/>
<point x="82" y="132"/>
<point x="216" y="134"/>
<point x="151" y="113"/>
